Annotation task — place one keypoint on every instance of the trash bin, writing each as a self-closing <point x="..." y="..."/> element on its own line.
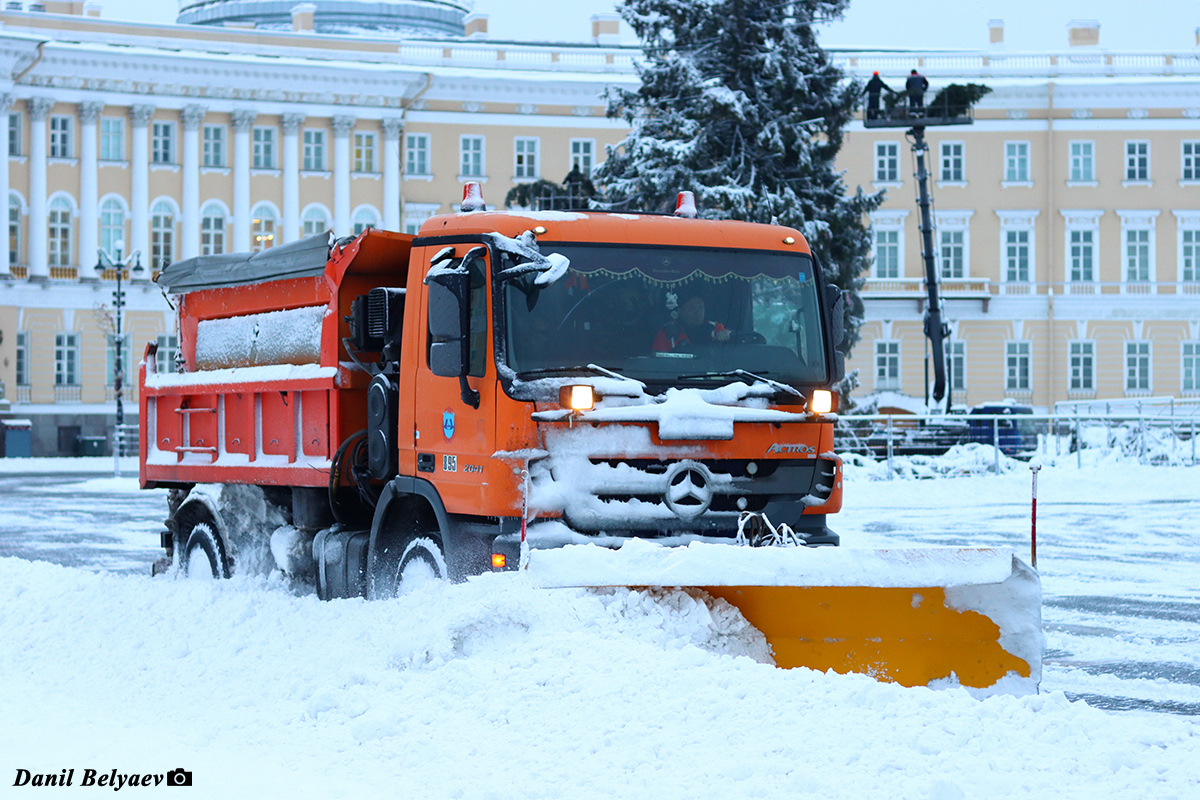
<point x="17" y="435"/>
<point x="90" y="445"/>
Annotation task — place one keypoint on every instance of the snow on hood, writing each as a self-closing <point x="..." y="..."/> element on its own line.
<point x="682" y="414"/>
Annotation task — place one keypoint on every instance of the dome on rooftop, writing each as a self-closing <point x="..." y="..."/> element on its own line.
<point x="401" y="18"/>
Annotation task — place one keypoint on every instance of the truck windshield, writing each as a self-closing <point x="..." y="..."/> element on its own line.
<point x="670" y="315"/>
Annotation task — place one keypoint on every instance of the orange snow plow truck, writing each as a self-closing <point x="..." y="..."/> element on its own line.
<point x="591" y="399"/>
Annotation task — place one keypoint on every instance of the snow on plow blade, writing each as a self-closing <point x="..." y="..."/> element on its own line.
<point x="914" y="616"/>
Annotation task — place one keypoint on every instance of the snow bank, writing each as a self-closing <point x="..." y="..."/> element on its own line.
<point x="642" y="563"/>
<point x="495" y="689"/>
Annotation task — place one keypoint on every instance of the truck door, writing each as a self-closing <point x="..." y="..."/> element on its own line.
<point x="454" y="440"/>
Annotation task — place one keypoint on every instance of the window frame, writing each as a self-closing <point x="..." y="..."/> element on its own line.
<point x="956" y="351"/>
<point x="66" y="358"/>
<point x="168" y="349"/>
<point x="16" y="228"/>
<point x="162" y="238"/>
<point x="480" y="155"/>
<point x="1077" y="175"/>
<point x="315" y="146"/>
<point x="1189" y="172"/>
<point x="16" y="137"/>
<point x="22" y="365"/>
<point x="1017" y="163"/>
<point x="948" y="175"/>
<point x="1020" y="379"/>
<point x="162" y="142"/>
<point x="417" y="152"/>
<point x="885" y="381"/>
<point x="260" y="230"/>
<point x="214" y="148"/>
<point x="365" y="144"/>
<point x="212" y="238"/>
<point x="107" y="239"/>
<point x="1133" y="371"/>
<point x="527" y="164"/>
<point x="60" y="246"/>
<point x="1189" y="374"/>
<point x="62" y="138"/>
<point x="112" y="140"/>
<point x="1081" y="376"/>
<point x="264" y="141"/>
<point x="887" y="164"/>
<point x="1131" y="168"/>
<point x="585" y="160"/>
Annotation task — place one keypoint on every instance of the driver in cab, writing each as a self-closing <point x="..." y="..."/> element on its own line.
<point x="690" y="327"/>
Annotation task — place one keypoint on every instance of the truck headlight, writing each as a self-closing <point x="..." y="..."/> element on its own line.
<point x="579" y="397"/>
<point x="821" y="402"/>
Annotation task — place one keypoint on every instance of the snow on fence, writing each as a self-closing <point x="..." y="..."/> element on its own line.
<point x="910" y="443"/>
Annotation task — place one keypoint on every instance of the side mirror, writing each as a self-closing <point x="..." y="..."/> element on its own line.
<point x="836" y="304"/>
<point x="449" y="322"/>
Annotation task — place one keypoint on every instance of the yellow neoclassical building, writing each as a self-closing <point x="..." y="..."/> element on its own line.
<point x="1068" y="214"/>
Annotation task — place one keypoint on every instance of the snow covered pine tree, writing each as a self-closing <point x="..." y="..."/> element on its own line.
<point x="739" y="105"/>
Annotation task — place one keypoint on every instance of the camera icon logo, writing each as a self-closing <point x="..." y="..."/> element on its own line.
<point x="179" y="777"/>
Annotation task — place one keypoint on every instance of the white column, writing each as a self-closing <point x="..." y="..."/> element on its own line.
<point x="6" y="101"/>
<point x="89" y="166"/>
<point x="393" y="129"/>
<point x="139" y="190"/>
<point x="291" y="176"/>
<point x="39" y="255"/>
<point x="341" y="175"/>
<point x="243" y="121"/>
<point x="189" y="211"/>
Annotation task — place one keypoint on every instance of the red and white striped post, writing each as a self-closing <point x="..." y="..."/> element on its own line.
<point x="1034" y="467"/>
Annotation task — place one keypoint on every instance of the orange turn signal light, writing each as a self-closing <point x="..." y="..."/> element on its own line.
<point x="498" y="560"/>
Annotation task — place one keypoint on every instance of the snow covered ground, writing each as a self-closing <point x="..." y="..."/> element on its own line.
<point x="495" y="689"/>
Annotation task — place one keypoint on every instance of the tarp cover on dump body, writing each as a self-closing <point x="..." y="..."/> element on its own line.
<point x="303" y="259"/>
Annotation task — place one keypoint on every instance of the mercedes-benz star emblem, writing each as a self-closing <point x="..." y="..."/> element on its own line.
<point x="689" y="489"/>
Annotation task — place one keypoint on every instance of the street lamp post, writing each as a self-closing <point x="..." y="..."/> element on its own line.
<point x="105" y="261"/>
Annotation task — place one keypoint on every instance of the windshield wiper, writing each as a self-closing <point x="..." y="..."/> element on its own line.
<point x="745" y="375"/>
<point x="593" y="369"/>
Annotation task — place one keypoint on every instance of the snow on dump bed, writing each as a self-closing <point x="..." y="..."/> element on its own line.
<point x="273" y="337"/>
<point x="494" y="689"/>
<point x="642" y="563"/>
<point x="214" y="377"/>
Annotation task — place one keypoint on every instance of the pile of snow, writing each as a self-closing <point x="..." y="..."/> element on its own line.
<point x="959" y="461"/>
<point x="495" y="689"/>
<point x="57" y="466"/>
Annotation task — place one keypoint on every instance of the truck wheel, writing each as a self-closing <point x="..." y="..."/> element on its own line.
<point x="203" y="555"/>
<point x="421" y="564"/>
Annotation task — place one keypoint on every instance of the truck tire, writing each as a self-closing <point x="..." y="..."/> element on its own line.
<point x="204" y="555"/>
<point x="421" y="564"/>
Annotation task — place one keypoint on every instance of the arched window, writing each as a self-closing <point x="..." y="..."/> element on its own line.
<point x="14" y="229"/>
<point x="112" y="229"/>
<point x="60" y="232"/>
<point x="365" y="218"/>
<point x="212" y="230"/>
<point x="162" y="235"/>
<point x="262" y="228"/>
<point x="315" y="222"/>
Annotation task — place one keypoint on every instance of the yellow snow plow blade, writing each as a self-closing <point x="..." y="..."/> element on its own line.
<point x="918" y="617"/>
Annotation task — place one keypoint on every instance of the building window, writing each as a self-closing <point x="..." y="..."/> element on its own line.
<point x="214" y="145"/>
<point x="1191" y="161"/>
<point x="887" y="162"/>
<point x="112" y="229"/>
<point x="66" y="359"/>
<point x="471" y="151"/>
<point x="168" y="347"/>
<point x="59" y="224"/>
<point x="264" y="148"/>
<point x="583" y="155"/>
<point x="22" y="358"/>
<point x="60" y="137"/>
<point x="364" y="152"/>
<point x="314" y="150"/>
<point x="1083" y="161"/>
<point x="416" y="154"/>
<point x="1016" y="355"/>
<point x="1083" y="255"/>
<point x="525" y="156"/>
<point x="1191" y="366"/>
<point x="365" y="218"/>
<point x="956" y="365"/>
<point x="162" y="236"/>
<point x="315" y="221"/>
<point x="952" y="162"/>
<point x="212" y="230"/>
<point x="953" y="254"/>
<point x="887" y="254"/>
<point x="1082" y="359"/>
<point x="1137" y="255"/>
<point x="112" y="139"/>
<point x="1189" y="255"/>
<point x="887" y="366"/>
<point x="14" y="134"/>
<point x="1016" y="256"/>
<point x="162" y="149"/>
<point x="14" y="229"/>
<point x="262" y="228"/>
<point x="1016" y="162"/>
<point x="1137" y="366"/>
<point x="1137" y="161"/>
